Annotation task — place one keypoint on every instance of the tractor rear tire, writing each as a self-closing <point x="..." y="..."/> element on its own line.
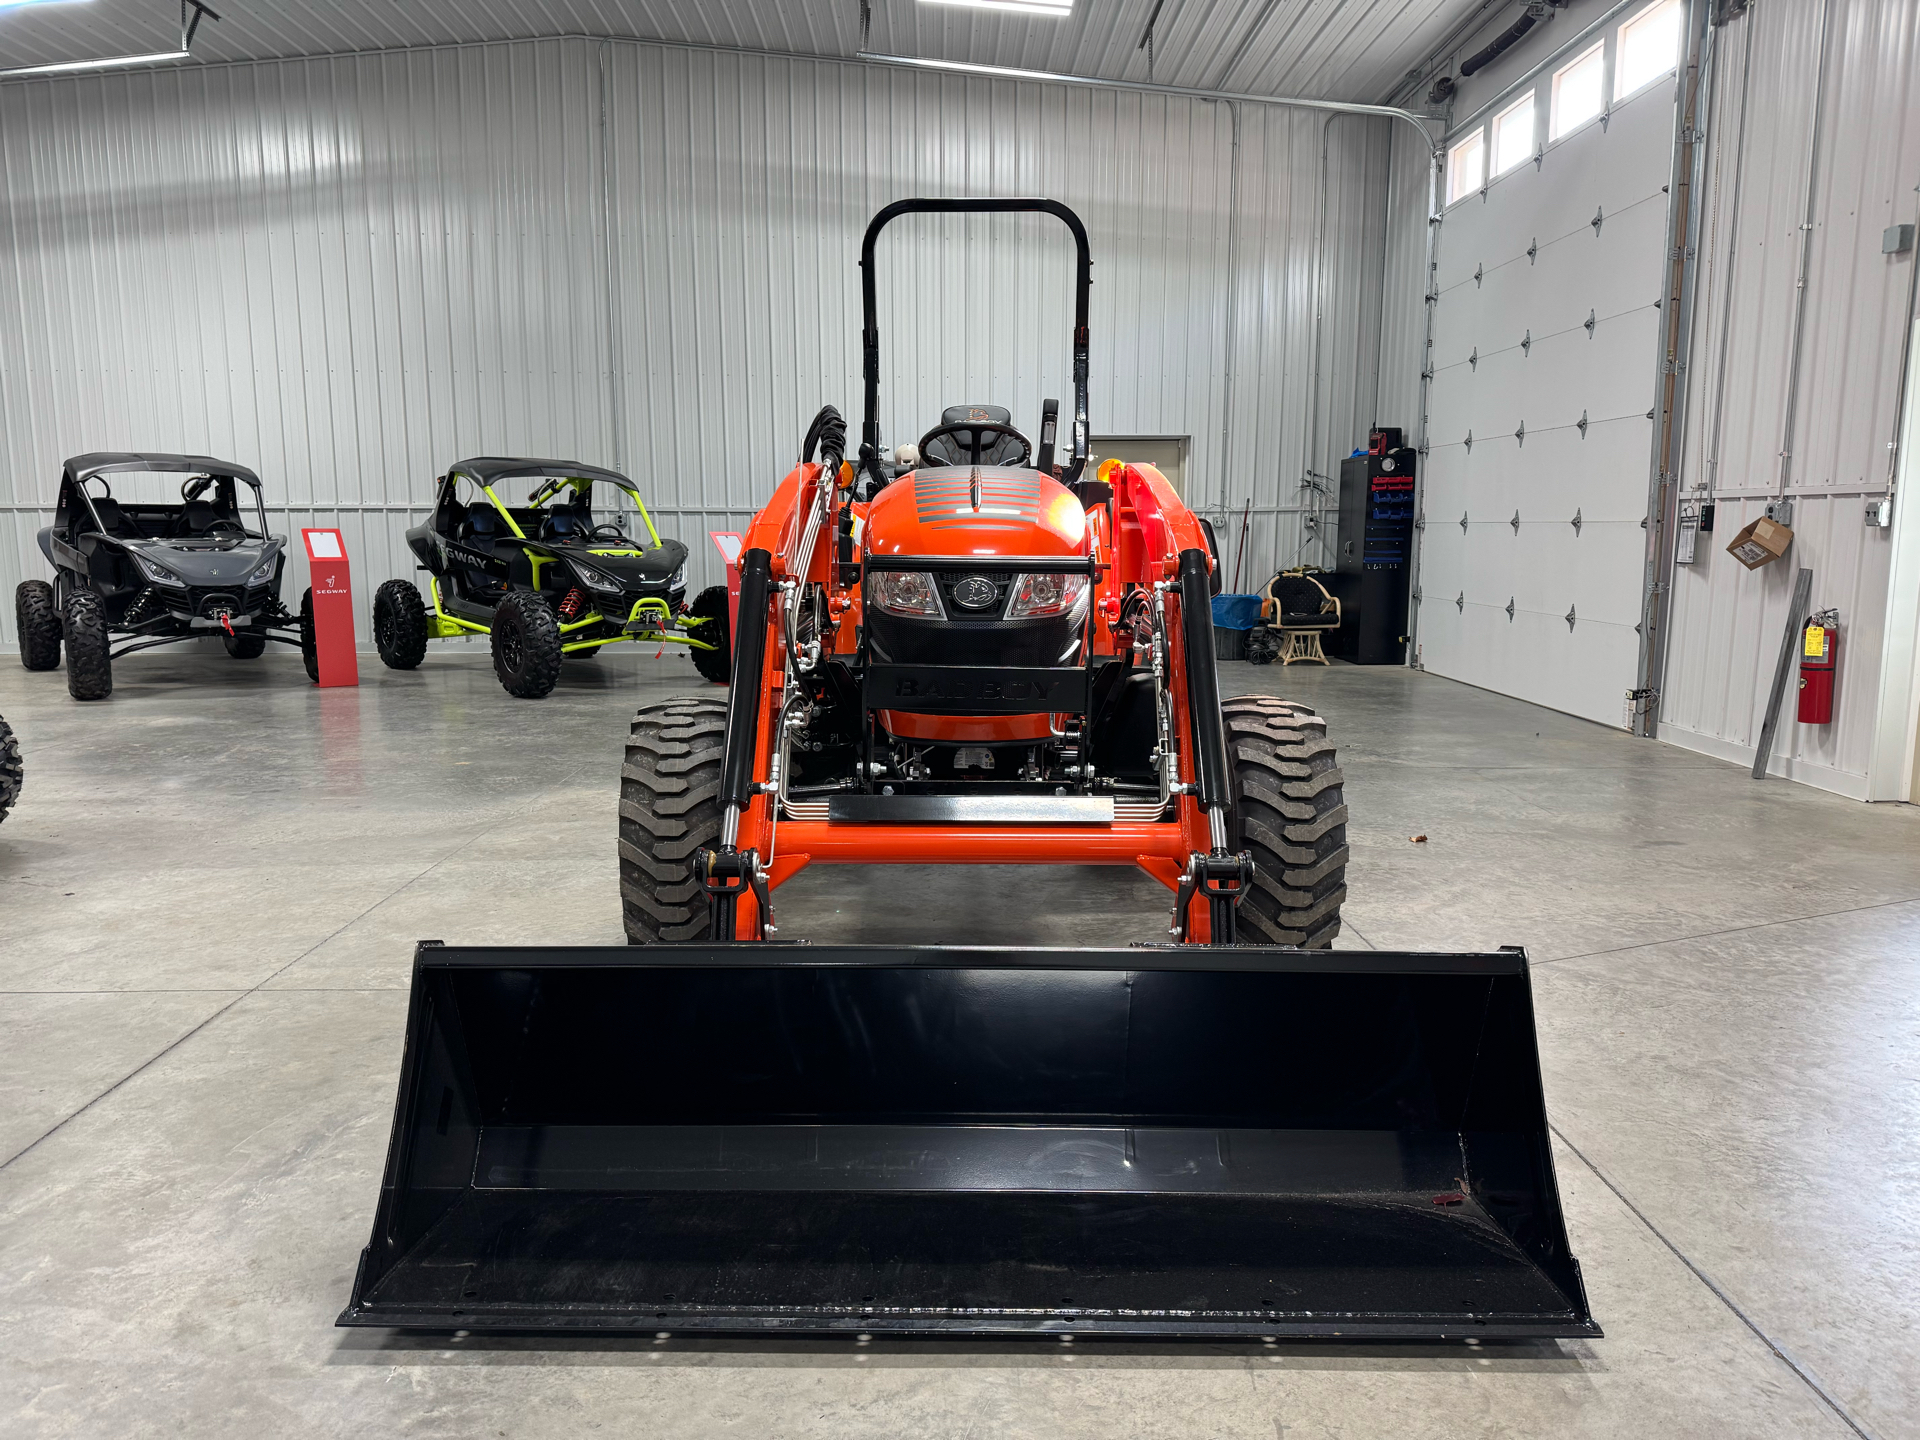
<point x="669" y="813"/>
<point x="12" y="773"/>
<point x="526" y="645"/>
<point x="89" y="667"/>
<point x="247" y="645"/>
<point x="309" y="643"/>
<point x="714" y="665"/>
<point x="400" y="625"/>
<point x="37" y="621"/>
<point x="1293" y="818"/>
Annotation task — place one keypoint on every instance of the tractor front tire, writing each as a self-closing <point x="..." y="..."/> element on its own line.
<point x="400" y="625"/>
<point x="669" y="813"/>
<point x="711" y="606"/>
<point x="1293" y="818"/>
<point x="12" y="773"/>
<point x="89" y="666"/>
<point x="526" y="645"/>
<point x="309" y="645"/>
<point x="37" y="622"/>
<point x="247" y="645"/>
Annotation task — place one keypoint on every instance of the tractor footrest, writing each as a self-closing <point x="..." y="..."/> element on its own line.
<point x="857" y="809"/>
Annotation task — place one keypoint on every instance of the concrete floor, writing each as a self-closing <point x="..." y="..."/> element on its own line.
<point x="213" y="882"/>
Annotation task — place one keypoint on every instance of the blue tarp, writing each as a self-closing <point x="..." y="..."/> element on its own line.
<point x="1237" y="612"/>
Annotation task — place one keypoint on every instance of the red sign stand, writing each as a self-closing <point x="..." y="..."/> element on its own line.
<point x="333" y="607"/>
<point x="728" y="543"/>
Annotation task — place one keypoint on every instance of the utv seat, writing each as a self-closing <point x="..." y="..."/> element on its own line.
<point x="114" y="521"/>
<point x="196" y="518"/>
<point x="567" y="525"/>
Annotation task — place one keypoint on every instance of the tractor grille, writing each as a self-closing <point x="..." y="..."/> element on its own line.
<point x="949" y="580"/>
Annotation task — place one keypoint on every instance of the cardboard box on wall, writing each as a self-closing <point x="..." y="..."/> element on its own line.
<point x="1759" y="542"/>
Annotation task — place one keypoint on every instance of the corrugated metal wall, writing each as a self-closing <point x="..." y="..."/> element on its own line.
<point x="1727" y="621"/>
<point x="349" y="272"/>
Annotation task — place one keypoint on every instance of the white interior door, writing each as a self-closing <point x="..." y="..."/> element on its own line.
<point x="1540" y="431"/>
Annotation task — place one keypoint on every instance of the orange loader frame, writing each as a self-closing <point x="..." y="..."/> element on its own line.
<point x="1139" y="539"/>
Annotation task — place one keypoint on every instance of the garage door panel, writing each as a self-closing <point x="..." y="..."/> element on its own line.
<point x="1565" y="374"/>
<point x="1607" y="169"/>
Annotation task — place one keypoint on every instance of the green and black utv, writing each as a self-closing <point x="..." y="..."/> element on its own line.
<point x="557" y="577"/>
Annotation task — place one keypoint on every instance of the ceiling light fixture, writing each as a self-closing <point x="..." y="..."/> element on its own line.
<point x="191" y="14"/>
<point x="1055" y="9"/>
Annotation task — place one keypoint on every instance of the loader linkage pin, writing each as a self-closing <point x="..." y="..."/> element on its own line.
<point x="1223" y="879"/>
<point x="727" y="874"/>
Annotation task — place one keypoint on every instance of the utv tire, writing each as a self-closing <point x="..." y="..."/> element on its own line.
<point x="400" y="625"/>
<point x="715" y="665"/>
<point x="309" y="644"/>
<point x="526" y="643"/>
<point x="245" y="646"/>
<point x="37" y="622"/>
<point x="11" y="771"/>
<point x="1293" y="818"/>
<point x="669" y="812"/>
<point x="89" y="667"/>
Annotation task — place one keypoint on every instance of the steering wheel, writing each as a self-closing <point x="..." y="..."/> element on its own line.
<point x="605" y="531"/>
<point x="215" y="527"/>
<point x="978" y="432"/>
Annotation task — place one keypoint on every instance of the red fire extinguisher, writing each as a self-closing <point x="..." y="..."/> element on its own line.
<point x="1820" y="647"/>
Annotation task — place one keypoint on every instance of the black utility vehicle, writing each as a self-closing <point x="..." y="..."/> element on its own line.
<point x="558" y="576"/>
<point x="132" y="573"/>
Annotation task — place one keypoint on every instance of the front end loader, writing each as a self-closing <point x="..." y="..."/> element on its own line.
<point x="972" y="651"/>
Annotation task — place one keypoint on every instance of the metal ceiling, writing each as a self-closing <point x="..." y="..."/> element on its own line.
<point x="1322" y="49"/>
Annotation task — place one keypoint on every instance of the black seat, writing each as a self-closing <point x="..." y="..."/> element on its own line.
<point x="1299" y="602"/>
<point x="567" y="525"/>
<point x="480" y="526"/>
<point x="958" y="449"/>
<point x="196" y="518"/>
<point x="113" y="520"/>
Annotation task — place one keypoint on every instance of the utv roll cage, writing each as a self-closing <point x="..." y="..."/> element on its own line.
<point x="489" y="471"/>
<point x="82" y="470"/>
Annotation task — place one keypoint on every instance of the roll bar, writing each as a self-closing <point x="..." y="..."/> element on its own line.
<point x="870" y="323"/>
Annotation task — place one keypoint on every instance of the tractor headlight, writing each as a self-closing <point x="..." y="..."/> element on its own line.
<point x="597" y="579"/>
<point x="904" y="592"/>
<point x="158" y="573"/>
<point x="1048" y="593"/>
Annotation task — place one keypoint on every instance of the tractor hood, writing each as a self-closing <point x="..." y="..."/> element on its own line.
<point x="204" y="563"/>
<point x="976" y="511"/>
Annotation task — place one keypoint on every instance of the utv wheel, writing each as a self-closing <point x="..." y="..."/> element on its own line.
<point x="669" y="812"/>
<point x="711" y="606"/>
<point x="526" y="641"/>
<point x="400" y="625"/>
<point x="37" y="622"/>
<point x="309" y="645"/>
<point x="1293" y="818"/>
<point x="89" y="668"/>
<point x="245" y="646"/>
<point x="11" y="771"/>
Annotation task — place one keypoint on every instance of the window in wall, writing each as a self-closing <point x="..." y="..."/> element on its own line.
<point x="1577" y="94"/>
<point x="1650" y="47"/>
<point x="1466" y="167"/>
<point x="1514" y="134"/>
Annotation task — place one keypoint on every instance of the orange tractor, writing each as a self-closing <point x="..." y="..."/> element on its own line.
<point x="973" y="651"/>
<point x="981" y="653"/>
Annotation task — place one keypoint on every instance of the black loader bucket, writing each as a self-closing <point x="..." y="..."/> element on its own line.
<point x="1178" y="1142"/>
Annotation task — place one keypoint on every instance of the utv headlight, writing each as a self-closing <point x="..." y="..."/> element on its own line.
<point x="1048" y="593"/>
<point x="678" y="579"/>
<point x="904" y="592"/>
<point x="597" y="579"/>
<point x="158" y="573"/>
<point x="265" y="573"/>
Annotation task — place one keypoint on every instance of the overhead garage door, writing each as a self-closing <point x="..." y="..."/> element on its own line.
<point x="1540" y="426"/>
